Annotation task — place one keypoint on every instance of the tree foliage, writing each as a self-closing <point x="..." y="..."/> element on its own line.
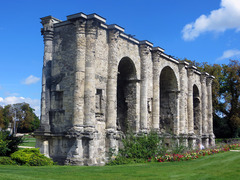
<point x="225" y="96"/>
<point x="27" y="119"/>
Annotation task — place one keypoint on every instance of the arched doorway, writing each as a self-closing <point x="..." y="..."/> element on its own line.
<point x="196" y="110"/>
<point x="126" y="95"/>
<point x="168" y="100"/>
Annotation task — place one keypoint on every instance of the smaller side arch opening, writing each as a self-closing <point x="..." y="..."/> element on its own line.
<point x="168" y="100"/>
<point x="196" y="110"/>
<point x="126" y="95"/>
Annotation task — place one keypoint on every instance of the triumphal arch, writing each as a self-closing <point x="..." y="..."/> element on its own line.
<point x="98" y="83"/>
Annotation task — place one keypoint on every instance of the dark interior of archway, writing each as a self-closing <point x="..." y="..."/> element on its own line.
<point x="125" y="93"/>
<point x="196" y="109"/>
<point x="168" y="97"/>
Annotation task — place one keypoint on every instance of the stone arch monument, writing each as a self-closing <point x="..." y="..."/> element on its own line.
<point x="98" y="83"/>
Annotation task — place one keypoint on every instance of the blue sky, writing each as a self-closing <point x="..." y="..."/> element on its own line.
<point x="201" y="30"/>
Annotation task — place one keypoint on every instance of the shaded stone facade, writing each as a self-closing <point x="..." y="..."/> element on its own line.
<point x="98" y="83"/>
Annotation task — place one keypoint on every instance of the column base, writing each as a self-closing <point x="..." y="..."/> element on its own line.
<point x="205" y="140"/>
<point x="192" y="141"/>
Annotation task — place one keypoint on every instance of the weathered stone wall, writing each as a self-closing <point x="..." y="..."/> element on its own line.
<point x="100" y="83"/>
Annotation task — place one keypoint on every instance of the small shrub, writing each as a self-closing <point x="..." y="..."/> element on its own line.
<point x="141" y="146"/>
<point x="7" y="161"/>
<point x="137" y="148"/>
<point x="4" y="147"/>
<point x="31" y="157"/>
<point x="8" y="143"/>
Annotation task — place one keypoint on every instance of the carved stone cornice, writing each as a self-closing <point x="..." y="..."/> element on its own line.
<point x="145" y="48"/>
<point x="113" y="35"/>
<point x="203" y="77"/>
<point x="92" y="27"/>
<point x="156" y="53"/>
<point x="47" y="30"/>
<point x="80" y="25"/>
<point x="190" y="71"/>
<point x="210" y="80"/>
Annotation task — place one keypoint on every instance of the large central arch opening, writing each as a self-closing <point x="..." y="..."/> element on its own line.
<point x="126" y="95"/>
<point x="196" y="110"/>
<point x="168" y="100"/>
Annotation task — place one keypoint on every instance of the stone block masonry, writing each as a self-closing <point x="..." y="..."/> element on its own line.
<point x="99" y="83"/>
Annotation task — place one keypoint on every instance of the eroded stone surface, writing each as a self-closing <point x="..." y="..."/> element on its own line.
<point x="99" y="83"/>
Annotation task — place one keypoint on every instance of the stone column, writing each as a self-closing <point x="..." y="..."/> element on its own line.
<point x="204" y="110"/>
<point x="48" y="33"/>
<point x="145" y="47"/>
<point x="192" y="136"/>
<point x="89" y="86"/>
<point x="190" y="101"/>
<point x="183" y="98"/>
<point x="78" y="101"/>
<point x="156" y="52"/>
<point x="113" y="37"/>
<point x="43" y="145"/>
<point x="210" y="116"/>
<point x="183" y="104"/>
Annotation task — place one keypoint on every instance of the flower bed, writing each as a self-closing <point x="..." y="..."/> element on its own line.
<point x="192" y="155"/>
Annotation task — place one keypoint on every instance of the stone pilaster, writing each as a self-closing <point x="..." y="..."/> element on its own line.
<point x="190" y="101"/>
<point x="48" y="34"/>
<point x="156" y="52"/>
<point x="145" y="48"/>
<point x="204" y="110"/>
<point x="210" y="111"/>
<point x="183" y="98"/>
<point x="78" y="101"/>
<point x="89" y="86"/>
<point x="43" y="145"/>
<point x="113" y="37"/>
<point x="204" y="103"/>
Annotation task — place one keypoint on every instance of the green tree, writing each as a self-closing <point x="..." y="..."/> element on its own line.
<point x="2" y="125"/>
<point x="28" y="119"/>
<point x="7" y="116"/>
<point x="225" y="96"/>
<point x="230" y="92"/>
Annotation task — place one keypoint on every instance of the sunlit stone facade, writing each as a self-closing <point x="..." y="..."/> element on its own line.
<point x="99" y="83"/>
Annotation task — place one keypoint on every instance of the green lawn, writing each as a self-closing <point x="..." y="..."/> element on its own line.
<point x="29" y="141"/>
<point x="220" y="166"/>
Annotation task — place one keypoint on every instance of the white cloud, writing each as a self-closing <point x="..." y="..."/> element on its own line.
<point x="31" y="80"/>
<point x="226" y="17"/>
<point x="34" y="103"/>
<point x="229" y="54"/>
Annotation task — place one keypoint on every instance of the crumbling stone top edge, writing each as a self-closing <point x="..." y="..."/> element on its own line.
<point x="211" y="77"/>
<point x="76" y="16"/>
<point x="158" y="49"/>
<point x="126" y="36"/>
<point x="146" y="42"/>
<point x="47" y="18"/>
<point x="63" y="23"/>
<point x="115" y="26"/>
<point x="204" y="74"/>
<point x="168" y="57"/>
<point x="96" y="16"/>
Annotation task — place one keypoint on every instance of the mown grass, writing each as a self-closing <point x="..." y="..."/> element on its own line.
<point x="29" y="141"/>
<point x="219" y="166"/>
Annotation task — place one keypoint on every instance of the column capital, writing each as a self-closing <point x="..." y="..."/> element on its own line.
<point x="210" y="80"/>
<point x="47" y="30"/>
<point x="113" y="35"/>
<point x="80" y="25"/>
<point x="92" y="27"/>
<point x="156" y="53"/>
<point x="145" y="47"/>
<point x="190" y="70"/>
<point x="183" y="64"/>
<point x="204" y="76"/>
